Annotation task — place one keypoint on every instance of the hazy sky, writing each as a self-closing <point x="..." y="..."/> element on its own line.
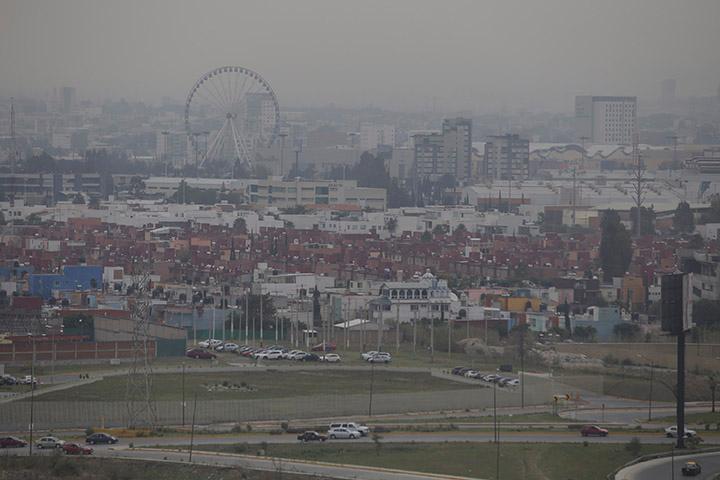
<point x="473" y="54"/>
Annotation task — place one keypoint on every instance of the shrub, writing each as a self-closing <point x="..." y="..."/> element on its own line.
<point x="284" y="426"/>
<point x="248" y="427"/>
<point x="634" y="447"/>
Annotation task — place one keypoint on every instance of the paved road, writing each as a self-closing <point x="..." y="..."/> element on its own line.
<point x="669" y="468"/>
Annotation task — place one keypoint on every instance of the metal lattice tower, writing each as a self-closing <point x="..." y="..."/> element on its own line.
<point x="141" y="411"/>
<point x="639" y="182"/>
<point x="13" y="140"/>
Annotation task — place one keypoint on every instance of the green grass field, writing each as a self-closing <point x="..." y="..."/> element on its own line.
<point x="61" y="467"/>
<point x="697" y="418"/>
<point x="262" y="384"/>
<point x="517" y="461"/>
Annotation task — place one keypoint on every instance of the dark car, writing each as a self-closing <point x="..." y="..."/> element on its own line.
<point x="12" y="442"/>
<point x="463" y="371"/>
<point x="691" y="468"/>
<point x="456" y="370"/>
<point x="593" y="431"/>
<point x="200" y="353"/>
<point x="311" y="436"/>
<point x="101" y="438"/>
<point x="311" y="357"/>
<point x="75" y="449"/>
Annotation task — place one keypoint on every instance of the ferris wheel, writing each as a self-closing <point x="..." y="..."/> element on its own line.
<point x="234" y="110"/>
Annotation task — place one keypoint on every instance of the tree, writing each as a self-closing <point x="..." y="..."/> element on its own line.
<point x="440" y="229"/>
<point x="239" y="225"/>
<point x="712" y="214"/>
<point x="78" y="199"/>
<point x="615" y="246"/>
<point x="94" y="202"/>
<point x="706" y="313"/>
<point x="391" y="224"/>
<point x="647" y="220"/>
<point x="460" y="230"/>
<point x="585" y="333"/>
<point x="268" y="311"/>
<point x="34" y="219"/>
<point x="137" y="186"/>
<point x="2" y="218"/>
<point x="426" y="236"/>
<point x="684" y="220"/>
<point x="626" y="331"/>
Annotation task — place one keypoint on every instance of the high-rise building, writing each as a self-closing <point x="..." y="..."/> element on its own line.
<point x="172" y="147"/>
<point x="668" y="89"/>
<point x="445" y="153"/>
<point x="258" y="117"/>
<point x="372" y="136"/>
<point x="507" y="157"/>
<point x="606" y="120"/>
<point x="68" y="99"/>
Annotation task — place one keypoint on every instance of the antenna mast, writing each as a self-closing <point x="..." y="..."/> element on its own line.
<point x="13" y="139"/>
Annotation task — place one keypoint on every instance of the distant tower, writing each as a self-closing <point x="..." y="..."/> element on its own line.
<point x="13" y="140"/>
<point x="141" y="411"/>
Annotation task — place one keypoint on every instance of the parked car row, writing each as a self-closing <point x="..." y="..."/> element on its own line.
<point x="373" y="356"/>
<point x="500" y="380"/>
<point x="68" y="448"/>
<point x="10" y="380"/>
<point x="339" y="430"/>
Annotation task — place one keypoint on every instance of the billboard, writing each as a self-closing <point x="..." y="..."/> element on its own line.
<point x="676" y="303"/>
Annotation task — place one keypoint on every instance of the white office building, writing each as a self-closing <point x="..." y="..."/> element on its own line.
<point x="606" y="120"/>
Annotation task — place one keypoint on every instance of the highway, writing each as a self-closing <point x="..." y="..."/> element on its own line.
<point x="669" y="468"/>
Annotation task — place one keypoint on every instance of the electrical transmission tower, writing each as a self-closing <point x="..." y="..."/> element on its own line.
<point x="13" y="139"/>
<point x="141" y="409"/>
<point x="639" y="183"/>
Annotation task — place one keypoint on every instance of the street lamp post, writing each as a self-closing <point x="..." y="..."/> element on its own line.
<point x="650" y="390"/>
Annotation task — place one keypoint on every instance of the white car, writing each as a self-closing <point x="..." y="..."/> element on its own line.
<point x="470" y="373"/>
<point x="299" y="355"/>
<point x="215" y="343"/>
<point x="204" y="344"/>
<point x="288" y="355"/>
<point x="50" y="442"/>
<point x="672" y="432"/>
<point x="334" y="433"/>
<point x="28" y="380"/>
<point x="363" y="429"/>
<point x="365" y="356"/>
<point x="270" y="355"/>
<point x="231" y="347"/>
<point x="380" y="358"/>
<point x="513" y="383"/>
<point x="330" y="358"/>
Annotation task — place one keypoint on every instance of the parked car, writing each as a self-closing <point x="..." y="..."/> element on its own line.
<point x="214" y="342"/>
<point x="369" y="354"/>
<point x="28" y="380"/>
<point x="231" y="347"/>
<point x="363" y="429"/>
<point x="691" y="468"/>
<point x="593" y="431"/>
<point x="101" y="438"/>
<point x="456" y="370"/>
<point x="380" y="358"/>
<point x="298" y="356"/>
<point x="311" y="436"/>
<point x="8" y="380"/>
<point x="330" y="358"/>
<point x="311" y="357"/>
<point x="204" y="344"/>
<point x="12" y="442"/>
<point x="50" y="442"/>
<point x="470" y="373"/>
<point x="289" y="354"/>
<point x="75" y="449"/>
<point x="200" y="353"/>
<point x="334" y="433"/>
<point x="513" y="383"/>
<point x="672" y="432"/>
<point x="269" y="355"/>
<point x="324" y="347"/>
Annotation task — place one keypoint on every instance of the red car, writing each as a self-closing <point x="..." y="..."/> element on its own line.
<point x="75" y="449"/>
<point x="200" y="353"/>
<point x="12" y="442"/>
<point x="324" y="347"/>
<point x="593" y="431"/>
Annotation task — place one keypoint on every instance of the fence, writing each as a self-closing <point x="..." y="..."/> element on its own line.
<point x="66" y="414"/>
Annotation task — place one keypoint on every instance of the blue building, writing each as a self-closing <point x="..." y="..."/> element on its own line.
<point x="603" y="319"/>
<point x="74" y="278"/>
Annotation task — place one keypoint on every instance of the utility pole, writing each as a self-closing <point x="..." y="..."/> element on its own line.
<point x="674" y="139"/>
<point x="192" y="428"/>
<point x="282" y="136"/>
<point x="32" y="393"/>
<point x="183" y="394"/>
